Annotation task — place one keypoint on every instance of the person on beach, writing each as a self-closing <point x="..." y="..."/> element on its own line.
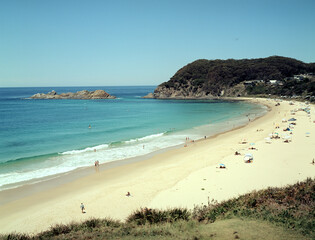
<point x="82" y="208"/>
<point x="97" y="165"/>
<point x="128" y="194"/>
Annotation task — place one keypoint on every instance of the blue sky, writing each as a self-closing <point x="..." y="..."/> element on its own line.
<point x="137" y="42"/>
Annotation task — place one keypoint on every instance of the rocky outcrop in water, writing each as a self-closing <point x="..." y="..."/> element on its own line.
<point x="97" y="94"/>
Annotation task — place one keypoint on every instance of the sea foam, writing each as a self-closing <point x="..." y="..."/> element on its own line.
<point x="88" y="149"/>
<point x="105" y="153"/>
<point x="144" y="138"/>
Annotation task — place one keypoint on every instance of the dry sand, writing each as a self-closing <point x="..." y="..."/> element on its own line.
<point x="180" y="177"/>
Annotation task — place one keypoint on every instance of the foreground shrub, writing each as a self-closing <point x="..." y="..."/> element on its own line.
<point x="16" y="236"/>
<point x="86" y="226"/>
<point x="293" y="207"/>
<point x="148" y="215"/>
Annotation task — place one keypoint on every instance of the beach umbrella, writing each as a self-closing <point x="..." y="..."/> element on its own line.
<point x="274" y="134"/>
<point x="222" y="165"/>
<point x="252" y="144"/>
<point x="248" y="157"/>
<point x="292" y="119"/>
<point x="268" y="140"/>
<point x="286" y="137"/>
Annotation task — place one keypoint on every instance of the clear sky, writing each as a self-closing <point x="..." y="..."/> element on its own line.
<point x="142" y="42"/>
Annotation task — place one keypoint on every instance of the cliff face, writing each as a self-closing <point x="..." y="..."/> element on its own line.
<point x="181" y="92"/>
<point x="98" y="94"/>
<point x="192" y="92"/>
<point x="216" y="78"/>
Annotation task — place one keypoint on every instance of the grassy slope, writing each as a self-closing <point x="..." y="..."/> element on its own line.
<point x="235" y="228"/>
<point x="275" y="213"/>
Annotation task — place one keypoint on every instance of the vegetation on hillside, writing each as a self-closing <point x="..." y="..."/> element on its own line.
<point x="274" y="213"/>
<point x="291" y="87"/>
<point x="213" y="76"/>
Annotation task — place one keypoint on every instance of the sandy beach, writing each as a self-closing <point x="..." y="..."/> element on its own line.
<point x="181" y="177"/>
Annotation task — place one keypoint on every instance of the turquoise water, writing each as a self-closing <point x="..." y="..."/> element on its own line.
<point x="40" y="138"/>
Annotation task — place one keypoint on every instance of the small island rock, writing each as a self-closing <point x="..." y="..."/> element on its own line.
<point x="84" y="94"/>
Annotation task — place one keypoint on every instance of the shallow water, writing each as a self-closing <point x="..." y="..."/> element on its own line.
<point x="40" y="138"/>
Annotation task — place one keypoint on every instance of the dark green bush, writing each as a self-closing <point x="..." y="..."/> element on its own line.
<point x="147" y="215"/>
<point x="17" y="236"/>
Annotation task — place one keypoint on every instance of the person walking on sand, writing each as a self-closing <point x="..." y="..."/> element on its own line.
<point x="82" y="208"/>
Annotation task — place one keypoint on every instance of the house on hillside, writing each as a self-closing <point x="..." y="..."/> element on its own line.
<point x="275" y="82"/>
<point x="252" y="82"/>
<point x="301" y="77"/>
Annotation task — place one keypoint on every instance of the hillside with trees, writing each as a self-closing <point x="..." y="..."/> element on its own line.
<point x="219" y="78"/>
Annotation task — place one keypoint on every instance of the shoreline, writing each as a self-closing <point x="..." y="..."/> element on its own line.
<point x="25" y="188"/>
<point x="49" y="182"/>
<point x="158" y="181"/>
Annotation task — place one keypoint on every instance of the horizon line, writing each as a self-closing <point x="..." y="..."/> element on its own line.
<point x="84" y="86"/>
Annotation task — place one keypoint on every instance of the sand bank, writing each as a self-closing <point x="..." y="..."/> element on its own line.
<point x="179" y="177"/>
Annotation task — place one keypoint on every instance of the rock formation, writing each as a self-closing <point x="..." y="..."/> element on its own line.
<point x="84" y="94"/>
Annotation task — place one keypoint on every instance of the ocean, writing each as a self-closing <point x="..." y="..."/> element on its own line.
<point x="42" y="138"/>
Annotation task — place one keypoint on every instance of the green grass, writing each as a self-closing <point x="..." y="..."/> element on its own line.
<point x="235" y="228"/>
<point x="292" y="207"/>
<point x="274" y="213"/>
